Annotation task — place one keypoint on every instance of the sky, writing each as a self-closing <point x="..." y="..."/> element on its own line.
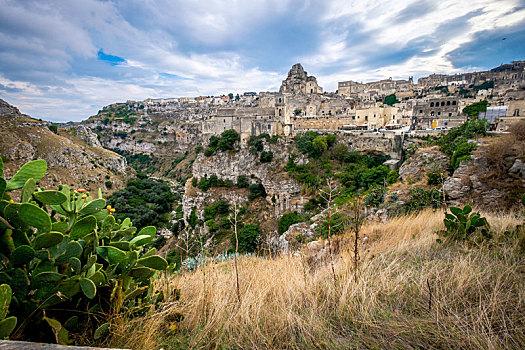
<point x="65" y="60"/>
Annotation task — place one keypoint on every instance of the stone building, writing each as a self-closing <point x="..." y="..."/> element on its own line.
<point x="442" y="112"/>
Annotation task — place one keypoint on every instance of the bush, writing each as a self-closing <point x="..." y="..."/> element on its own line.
<point x="420" y="199"/>
<point x="53" y="128"/>
<point x="434" y="178"/>
<point x="336" y="223"/>
<point x="76" y="258"/>
<point x="248" y="238"/>
<point x="242" y="181"/>
<point x="376" y="196"/>
<point x="108" y="184"/>
<point x="288" y="220"/>
<point x="266" y="157"/>
<point x="392" y="177"/>
<point x="256" y="190"/>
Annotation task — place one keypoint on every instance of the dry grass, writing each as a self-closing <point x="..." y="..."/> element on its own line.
<point x="478" y="298"/>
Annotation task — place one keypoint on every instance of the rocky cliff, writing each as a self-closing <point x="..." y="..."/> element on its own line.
<point x="283" y="192"/>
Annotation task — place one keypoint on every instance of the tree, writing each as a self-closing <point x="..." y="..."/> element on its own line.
<point x="248" y="238"/>
<point x="227" y="140"/>
<point x="390" y="100"/>
<point x="230" y="95"/>
<point x="319" y="145"/>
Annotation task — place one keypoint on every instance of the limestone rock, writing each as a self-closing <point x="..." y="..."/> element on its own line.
<point x="422" y="162"/>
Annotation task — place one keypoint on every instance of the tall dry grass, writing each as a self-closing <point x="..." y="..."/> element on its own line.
<point x="476" y="296"/>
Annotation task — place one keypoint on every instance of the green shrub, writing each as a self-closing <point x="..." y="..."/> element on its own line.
<point x="266" y="157"/>
<point x="248" y="238"/>
<point x="256" y="190"/>
<point x="288" y="220"/>
<point x="391" y="100"/>
<point x="392" y="177"/>
<point x="434" y="178"/>
<point x="68" y="261"/>
<point x="242" y="181"/>
<point x="53" y="128"/>
<point x="336" y="225"/>
<point x="108" y="184"/>
<point x="420" y="199"/>
<point x="375" y="196"/>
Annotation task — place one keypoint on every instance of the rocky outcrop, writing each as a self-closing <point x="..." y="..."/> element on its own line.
<point x="422" y="162"/>
<point x="85" y="134"/>
<point x="476" y="181"/>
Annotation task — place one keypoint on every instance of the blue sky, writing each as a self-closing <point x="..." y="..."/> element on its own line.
<point x="64" y="60"/>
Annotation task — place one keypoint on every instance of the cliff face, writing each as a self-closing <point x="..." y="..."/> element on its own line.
<point x="283" y="192"/>
<point x="73" y="156"/>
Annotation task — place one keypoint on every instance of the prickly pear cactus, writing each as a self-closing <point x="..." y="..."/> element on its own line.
<point x="63" y="250"/>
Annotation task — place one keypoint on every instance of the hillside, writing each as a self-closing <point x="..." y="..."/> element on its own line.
<point x="72" y="155"/>
<point x="411" y="292"/>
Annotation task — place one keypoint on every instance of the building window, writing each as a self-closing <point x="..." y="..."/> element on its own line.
<point x="439" y="113"/>
<point x="431" y="104"/>
<point x="453" y="103"/>
<point x="448" y="103"/>
<point x="516" y="112"/>
<point x="450" y="114"/>
<point x="432" y="113"/>
<point x="421" y="111"/>
<point x="366" y="117"/>
<point x="442" y="103"/>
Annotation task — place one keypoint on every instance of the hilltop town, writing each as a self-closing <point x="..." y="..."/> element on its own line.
<point x="433" y="103"/>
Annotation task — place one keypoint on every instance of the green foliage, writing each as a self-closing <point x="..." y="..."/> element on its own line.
<point x="225" y="142"/>
<point x="391" y="100"/>
<point x="248" y="238"/>
<point x="266" y="157"/>
<point x="256" y="190"/>
<point x="420" y="199"/>
<point x="206" y="183"/>
<point x="337" y="221"/>
<point x="7" y="324"/>
<point x="288" y="220"/>
<point x="455" y="143"/>
<point x="297" y="112"/>
<point x="220" y="207"/>
<point x="62" y="252"/>
<point x="472" y="111"/>
<point x="53" y="128"/>
<point x="375" y="196"/>
<point x="434" y="178"/>
<point x="392" y="177"/>
<point x="193" y="219"/>
<point x="145" y="201"/>
<point x="462" y="223"/>
<point x="484" y="86"/>
<point x="242" y="181"/>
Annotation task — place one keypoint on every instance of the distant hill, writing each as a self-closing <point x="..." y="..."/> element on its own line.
<point x="73" y="155"/>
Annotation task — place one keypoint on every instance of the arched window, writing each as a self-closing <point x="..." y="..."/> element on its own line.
<point x="453" y="103"/>
<point x="442" y="103"/>
<point x="431" y="104"/>
<point x="448" y="103"/>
